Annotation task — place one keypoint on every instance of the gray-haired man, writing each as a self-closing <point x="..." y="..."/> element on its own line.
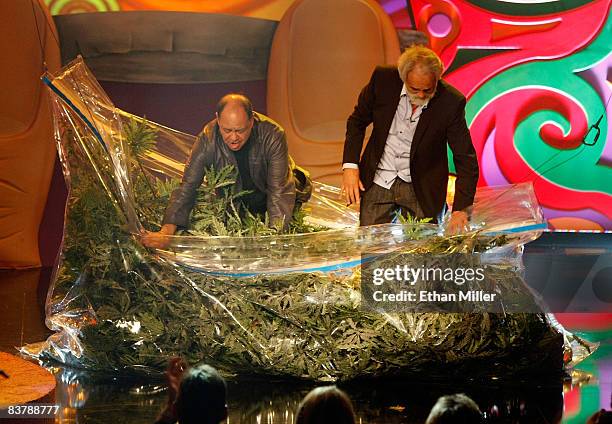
<point x="404" y="167"/>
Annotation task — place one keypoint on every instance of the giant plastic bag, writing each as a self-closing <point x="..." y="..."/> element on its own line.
<point x="281" y="304"/>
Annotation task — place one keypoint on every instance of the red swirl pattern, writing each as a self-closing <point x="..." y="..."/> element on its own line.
<point x="505" y="113"/>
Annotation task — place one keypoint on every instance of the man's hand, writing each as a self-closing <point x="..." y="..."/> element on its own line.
<point x="159" y="239"/>
<point x="458" y="223"/>
<point x="351" y="185"/>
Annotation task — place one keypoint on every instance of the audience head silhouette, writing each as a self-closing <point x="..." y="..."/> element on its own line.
<point x="201" y="396"/>
<point x="325" y="405"/>
<point x="455" y="409"/>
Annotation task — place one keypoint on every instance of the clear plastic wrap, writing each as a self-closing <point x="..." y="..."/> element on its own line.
<point x="280" y="304"/>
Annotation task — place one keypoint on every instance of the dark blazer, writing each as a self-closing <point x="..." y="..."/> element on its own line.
<point x="272" y="171"/>
<point x="442" y="122"/>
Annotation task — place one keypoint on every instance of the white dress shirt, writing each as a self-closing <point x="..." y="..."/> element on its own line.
<point x="395" y="160"/>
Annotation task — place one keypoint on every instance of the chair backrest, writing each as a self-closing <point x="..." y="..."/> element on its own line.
<point x="322" y="54"/>
<point x="27" y="147"/>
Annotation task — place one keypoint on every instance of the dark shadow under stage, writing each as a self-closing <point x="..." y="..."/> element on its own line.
<point x="573" y="271"/>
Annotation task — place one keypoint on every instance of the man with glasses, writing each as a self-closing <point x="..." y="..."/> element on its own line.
<point x="404" y="167"/>
<point x="256" y="146"/>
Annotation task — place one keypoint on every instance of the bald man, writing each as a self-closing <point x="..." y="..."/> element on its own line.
<point x="256" y="146"/>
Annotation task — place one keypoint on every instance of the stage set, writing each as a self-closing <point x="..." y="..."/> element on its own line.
<point x="101" y="104"/>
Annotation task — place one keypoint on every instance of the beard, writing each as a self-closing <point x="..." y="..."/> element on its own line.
<point x="417" y="101"/>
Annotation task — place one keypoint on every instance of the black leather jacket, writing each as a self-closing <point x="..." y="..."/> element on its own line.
<point x="272" y="171"/>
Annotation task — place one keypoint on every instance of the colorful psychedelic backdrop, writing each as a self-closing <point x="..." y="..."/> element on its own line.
<point x="536" y="74"/>
<point x="267" y="9"/>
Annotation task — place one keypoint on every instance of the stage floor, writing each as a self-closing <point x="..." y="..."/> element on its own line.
<point x="530" y="400"/>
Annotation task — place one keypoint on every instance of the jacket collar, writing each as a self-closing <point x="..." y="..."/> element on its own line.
<point x="425" y="119"/>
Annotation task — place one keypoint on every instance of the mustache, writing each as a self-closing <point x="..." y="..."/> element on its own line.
<point x="419" y="101"/>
